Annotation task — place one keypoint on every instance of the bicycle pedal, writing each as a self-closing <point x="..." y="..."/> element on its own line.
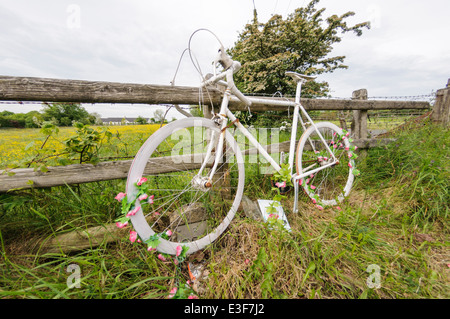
<point x="285" y="190"/>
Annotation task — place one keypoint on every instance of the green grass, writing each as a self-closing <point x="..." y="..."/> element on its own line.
<point x="396" y="218"/>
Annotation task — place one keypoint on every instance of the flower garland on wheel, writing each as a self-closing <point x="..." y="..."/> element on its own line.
<point x="129" y="209"/>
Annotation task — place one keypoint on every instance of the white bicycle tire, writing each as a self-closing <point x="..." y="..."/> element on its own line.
<point x="136" y="171"/>
<point x="299" y="165"/>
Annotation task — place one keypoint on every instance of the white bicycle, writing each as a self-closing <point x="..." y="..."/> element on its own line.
<point x="195" y="169"/>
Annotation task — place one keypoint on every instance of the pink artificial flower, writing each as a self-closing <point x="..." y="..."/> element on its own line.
<point x="314" y="200"/>
<point x="319" y="207"/>
<point x="133" y="236"/>
<point x="312" y="175"/>
<point x="120" y="196"/>
<point x="320" y="158"/>
<point x="343" y="137"/>
<point x="175" y="261"/>
<point x="307" y="181"/>
<point x="161" y="257"/>
<point x="300" y="182"/>
<point x="348" y="134"/>
<point x="350" y="155"/>
<point x="335" y="146"/>
<point x="141" y="181"/>
<point x="133" y="211"/>
<point x="179" y="250"/>
<point x="273" y="216"/>
<point x="247" y="261"/>
<point x="350" y="165"/>
<point x="169" y="233"/>
<point x="313" y="187"/>
<point x="280" y="184"/>
<point x="356" y="147"/>
<point x="142" y="197"/>
<point x="193" y="297"/>
<point x="121" y="225"/>
<point x="150" y="199"/>
<point x="150" y="248"/>
<point x="347" y="148"/>
<point x="157" y="214"/>
<point x="172" y="293"/>
<point x="338" y="208"/>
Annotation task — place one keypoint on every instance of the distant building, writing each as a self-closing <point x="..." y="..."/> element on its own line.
<point x="119" y="120"/>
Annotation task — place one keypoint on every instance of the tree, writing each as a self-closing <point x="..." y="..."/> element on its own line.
<point x="196" y="111"/>
<point x="300" y="43"/>
<point x="67" y="113"/>
<point x="20" y="120"/>
<point x="141" y="120"/>
<point x="158" y="116"/>
<point x="33" y="119"/>
<point x="95" y="118"/>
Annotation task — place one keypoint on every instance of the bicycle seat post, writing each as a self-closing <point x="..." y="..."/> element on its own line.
<point x="300" y="79"/>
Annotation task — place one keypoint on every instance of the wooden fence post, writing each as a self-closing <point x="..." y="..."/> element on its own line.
<point x="359" y="122"/>
<point x="207" y="111"/>
<point x="441" y="108"/>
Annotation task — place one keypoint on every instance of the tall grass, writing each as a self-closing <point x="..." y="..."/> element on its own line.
<point x="418" y="164"/>
<point x="395" y="219"/>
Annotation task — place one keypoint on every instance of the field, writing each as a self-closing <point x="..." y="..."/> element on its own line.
<point x="390" y="239"/>
<point x="17" y="146"/>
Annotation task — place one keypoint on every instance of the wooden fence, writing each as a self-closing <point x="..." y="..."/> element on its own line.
<point x="56" y="90"/>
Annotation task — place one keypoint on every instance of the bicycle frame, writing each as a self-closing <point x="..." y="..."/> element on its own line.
<point x="226" y="115"/>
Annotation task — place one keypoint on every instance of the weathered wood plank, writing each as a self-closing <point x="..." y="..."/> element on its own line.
<point x="81" y="239"/>
<point x="337" y="105"/>
<point x="23" y="178"/>
<point x="88" y="173"/>
<point x="95" y="236"/>
<point x="57" y="90"/>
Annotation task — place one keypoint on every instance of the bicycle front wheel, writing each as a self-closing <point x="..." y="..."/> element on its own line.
<point x="184" y="206"/>
<point x="329" y="186"/>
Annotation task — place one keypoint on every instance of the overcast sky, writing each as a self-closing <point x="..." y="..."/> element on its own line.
<point x="406" y="52"/>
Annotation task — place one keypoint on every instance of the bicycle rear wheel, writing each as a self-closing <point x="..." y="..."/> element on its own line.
<point x="331" y="185"/>
<point x="170" y="160"/>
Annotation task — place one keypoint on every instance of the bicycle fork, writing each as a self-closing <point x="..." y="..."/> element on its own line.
<point x="216" y="143"/>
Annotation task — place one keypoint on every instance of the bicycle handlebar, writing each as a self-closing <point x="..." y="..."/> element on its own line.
<point x="230" y="67"/>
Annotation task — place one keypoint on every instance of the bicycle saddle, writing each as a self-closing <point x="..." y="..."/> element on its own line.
<point x="300" y="77"/>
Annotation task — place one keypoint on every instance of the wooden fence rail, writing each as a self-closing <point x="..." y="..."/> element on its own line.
<point x="56" y="90"/>
<point x="25" y="178"/>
